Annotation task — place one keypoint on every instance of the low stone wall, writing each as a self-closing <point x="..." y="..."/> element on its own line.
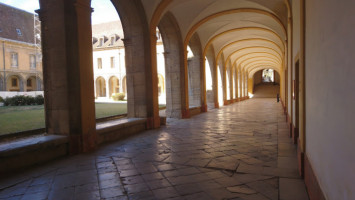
<point x="11" y="94"/>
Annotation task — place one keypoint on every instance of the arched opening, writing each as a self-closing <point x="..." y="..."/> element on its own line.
<point x="14" y="83"/>
<point x="266" y="83"/>
<point x="108" y="59"/>
<point x="268" y="76"/>
<point x="161" y="86"/>
<point x="160" y="68"/>
<point x="100" y="87"/>
<point x="235" y="85"/>
<point x="209" y="84"/>
<point x="114" y="86"/>
<point x="228" y="85"/>
<point x="31" y="84"/>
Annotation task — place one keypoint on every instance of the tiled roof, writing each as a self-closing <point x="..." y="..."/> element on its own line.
<point x="105" y="32"/>
<point x="16" y="24"/>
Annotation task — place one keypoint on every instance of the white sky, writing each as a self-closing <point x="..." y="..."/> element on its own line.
<point x="104" y="11"/>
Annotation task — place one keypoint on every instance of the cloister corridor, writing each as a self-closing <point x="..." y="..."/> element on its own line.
<point x="240" y="151"/>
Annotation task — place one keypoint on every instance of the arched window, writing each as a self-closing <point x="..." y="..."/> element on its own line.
<point x="268" y="76"/>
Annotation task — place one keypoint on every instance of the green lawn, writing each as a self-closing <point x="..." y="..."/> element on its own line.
<point x="21" y="118"/>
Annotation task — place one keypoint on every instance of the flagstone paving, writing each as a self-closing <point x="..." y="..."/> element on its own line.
<point x="239" y="152"/>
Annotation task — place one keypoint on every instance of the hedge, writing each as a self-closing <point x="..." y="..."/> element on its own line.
<point x="21" y="100"/>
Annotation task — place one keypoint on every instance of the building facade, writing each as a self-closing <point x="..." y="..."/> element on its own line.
<point x="109" y="61"/>
<point x="20" y="52"/>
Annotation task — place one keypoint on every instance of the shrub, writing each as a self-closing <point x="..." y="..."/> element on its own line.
<point x="1" y="100"/>
<point x="118" y="96"/>
<point x="39" y="100"/>
<point x="21" y="100"/>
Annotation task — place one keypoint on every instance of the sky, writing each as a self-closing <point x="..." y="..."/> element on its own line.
<point x="103" y="9"/>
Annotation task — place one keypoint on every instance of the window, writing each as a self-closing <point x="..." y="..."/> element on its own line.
<point x="101" y="42"/>
<point x="268" y="76"/>
<point x="99" y="63"/>
<point x="14" y="60"/>
<point x="29" y="83"/>
<point x="32" y="61"/>
<point x="18" y="32"/>
<point x="14" y="82"/>
<point x="112" y="41"/>
<point x="112" y="62"/>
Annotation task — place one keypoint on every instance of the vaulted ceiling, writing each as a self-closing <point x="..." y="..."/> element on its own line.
<point x="251" y="34"/>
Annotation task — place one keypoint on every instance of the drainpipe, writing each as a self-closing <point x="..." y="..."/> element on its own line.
<point x="3" y="55"/>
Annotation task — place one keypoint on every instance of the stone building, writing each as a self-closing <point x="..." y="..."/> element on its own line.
<point x="309" y="43"/>
<point x="20" y="52"/>
<point x="109" y="61"/>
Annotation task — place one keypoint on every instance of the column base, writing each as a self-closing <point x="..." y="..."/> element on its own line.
<point x="185" y="114"/>
<point x="216" y="105"/>
<point x="153" y="122"/>
<point x="204" y="108"/>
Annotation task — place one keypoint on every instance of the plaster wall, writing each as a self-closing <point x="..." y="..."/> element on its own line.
<point x="330" y="97"/>
<point x="277" y="78"/>
<point x="258" y="77"/>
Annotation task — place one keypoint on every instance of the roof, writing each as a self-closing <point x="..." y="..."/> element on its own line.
<point x="107" y="31"/>
<point x="16" y="24"/>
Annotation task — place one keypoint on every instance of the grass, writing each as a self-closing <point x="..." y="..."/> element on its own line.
<point x="110" y="109"/>
<point x="21" y="118"/>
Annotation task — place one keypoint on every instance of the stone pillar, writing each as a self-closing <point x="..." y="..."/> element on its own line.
<point x="241" y="83"/>
<point x="231" y="83"/>
<point x="68" y="72"/>
<point x="173" y="90"/>
<point x="203" y="84"/>
<point x="236" y="84"/>
<point x="107" y="83"/>
<point x="216" y="84"/>
<point x="224" y="83"/>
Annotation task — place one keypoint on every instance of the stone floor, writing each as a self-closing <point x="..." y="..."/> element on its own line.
<point x="240" y="151"/>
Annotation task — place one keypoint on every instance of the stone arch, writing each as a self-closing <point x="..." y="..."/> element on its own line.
<point x="31" y="83"/>
<point x="100" y="87"/>
<point x="139" y="81"/>
<point x="174" y="68"/>
<point x="114" y="85"/>
<point x="15" y="82"/>
<point x="194" y="71"/>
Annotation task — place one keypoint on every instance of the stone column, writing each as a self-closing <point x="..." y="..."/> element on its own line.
<point x="236" y="84"/>
<point x="231" y="83"/>
<point x="107" y="83"/>
<point x="224" y="83"/>
<point x="203" y="84"/>
<point x="68" y="72"/>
